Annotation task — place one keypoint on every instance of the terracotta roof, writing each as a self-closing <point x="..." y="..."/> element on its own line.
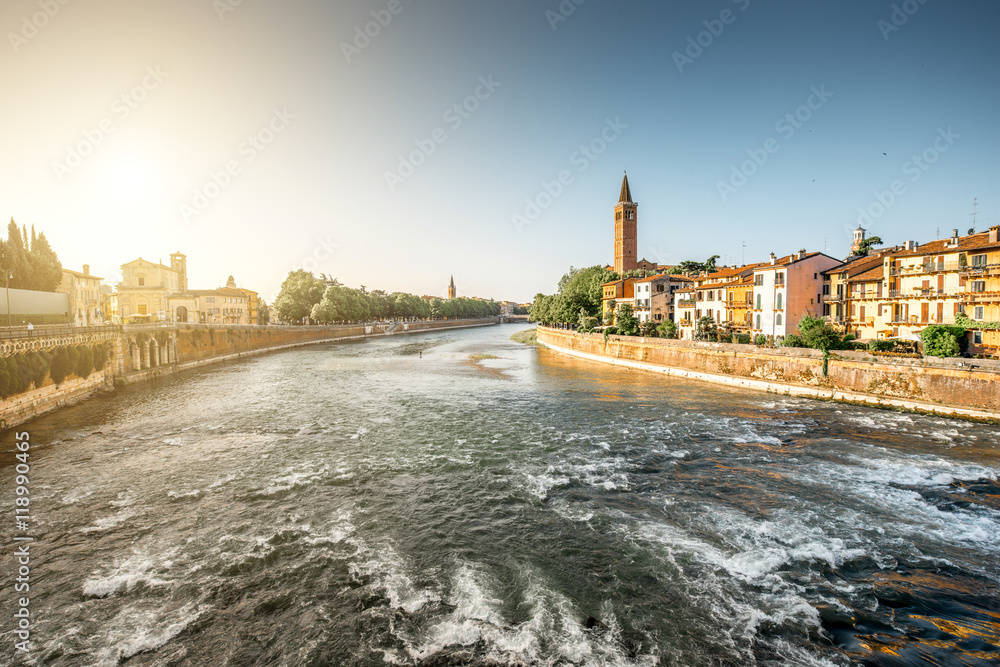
<point x="875" y="273"/>
<point x="146" y="261"/>
<point x="860" y="265"/>
<point x="82" y="275"/>
<point x="980" y="241"/>
<point x="787" y="260"/>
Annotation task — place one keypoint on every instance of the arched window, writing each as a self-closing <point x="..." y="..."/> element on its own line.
<point x="758" y="323"/>
<point x="780" y="299"/>
<point x="777" y="319"/>
<point x="758" y="303"/>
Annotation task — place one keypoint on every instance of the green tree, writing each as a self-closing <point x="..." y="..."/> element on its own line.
<point x="668" y="329"/>
<point x="865" y="246"/>
<point x="819" y="335"/>
<point x="943" y="340"/>
<point x="626" y="321"/>
<point x="46" y="269"/>
<point x="582" y="288"/>
<point x="299" y="293"/>
<point x="705" y="329"/>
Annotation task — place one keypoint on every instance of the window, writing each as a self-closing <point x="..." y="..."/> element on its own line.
<point x="758" y="279"/>
<point x="779" y="279"/>
<point x="978" y="285"/>
<point x="826" y="290"/>
<point x="759" y="302"/>
<point x="977" y="313"/>
<point x="777" y="319"/>
<point x="977" y="337"/>
<point x="142" y="281"/>
<point x="779" y="305"/>
<point x="659" y="288"/>
<point x="979" y="260"/>
<point x="757" y="322"/>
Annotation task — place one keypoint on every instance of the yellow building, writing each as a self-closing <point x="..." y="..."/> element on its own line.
<point x="84" y="292"/>
<point x="216" y="306"/>
<point x="933" y="283"/>
<point x="253" y="302"/>
<point x="615" y="293"/>
<point x="146" y="285"/>
<point x="856" y="296"/>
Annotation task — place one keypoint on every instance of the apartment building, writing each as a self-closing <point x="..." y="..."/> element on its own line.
<point x="787" y="289"/>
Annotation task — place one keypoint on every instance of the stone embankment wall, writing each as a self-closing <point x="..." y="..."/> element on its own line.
<point x="28" y="405"/>
<point x="969" y="388"/>
<point x="142" y="353"/>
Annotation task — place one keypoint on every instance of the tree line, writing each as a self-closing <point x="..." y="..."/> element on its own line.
<point x="22" y="371"/>
<point x="305" y="298"/>
<point x="27" y="261"/>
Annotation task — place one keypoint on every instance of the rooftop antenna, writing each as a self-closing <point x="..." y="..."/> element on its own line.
<point x="975" y="203"/>
<point x="744" y="252"/>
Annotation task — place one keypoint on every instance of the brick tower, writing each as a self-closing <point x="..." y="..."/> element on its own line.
<point x="626" y="235"/>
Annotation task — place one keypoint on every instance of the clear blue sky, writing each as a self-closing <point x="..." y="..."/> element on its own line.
<point x="888" y="94"/>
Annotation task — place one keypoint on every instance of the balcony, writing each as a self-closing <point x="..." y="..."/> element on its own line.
<point x="981" y="270"/>
<point x="926" y="267"/>
<point x="980" y="297"/>
<point x="686" y="303"/>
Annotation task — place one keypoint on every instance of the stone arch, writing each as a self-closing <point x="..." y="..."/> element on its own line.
<point x="134" y="355"/>
<point x="154" y="353"/>
<point x="182" y="314"/>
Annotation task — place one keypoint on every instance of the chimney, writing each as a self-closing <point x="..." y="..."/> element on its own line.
<point x="995" y="234"/>
<point x="86" y="269"/>
<point x="773" y="259"/>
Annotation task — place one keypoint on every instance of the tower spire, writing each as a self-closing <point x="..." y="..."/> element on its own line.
<point x="626" y="195"/>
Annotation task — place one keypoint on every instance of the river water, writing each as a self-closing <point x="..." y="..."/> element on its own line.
<point x="401" y="502"/>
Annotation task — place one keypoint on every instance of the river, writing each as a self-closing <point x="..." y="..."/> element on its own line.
<point x="414" y="501"/>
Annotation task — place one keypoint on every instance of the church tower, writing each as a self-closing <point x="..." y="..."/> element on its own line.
<point x="859" y="237"/>
<point x="451" y="288"/>
<point x="178" y="262"/>
<point x="626" y="235"/>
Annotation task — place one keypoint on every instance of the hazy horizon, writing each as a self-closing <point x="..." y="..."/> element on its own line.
<point x="258" y="137"/>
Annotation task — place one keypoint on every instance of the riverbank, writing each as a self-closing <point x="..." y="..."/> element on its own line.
<point x="146" y="353"/>
<point x="945" y="388"/>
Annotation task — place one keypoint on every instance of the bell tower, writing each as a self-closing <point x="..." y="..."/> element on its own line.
<point x="626" y="234"/>
<point x="178" y="262"/>
<point x="451" y="289"/>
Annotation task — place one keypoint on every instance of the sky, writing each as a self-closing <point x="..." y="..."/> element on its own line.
<point x="395" y="143"/>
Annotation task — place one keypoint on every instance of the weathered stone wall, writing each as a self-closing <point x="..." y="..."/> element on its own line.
<point x="927" y="382"/>
<point x="142" y="353"/>
<point x="195" y="344"/>
<point x="35" y="402"/>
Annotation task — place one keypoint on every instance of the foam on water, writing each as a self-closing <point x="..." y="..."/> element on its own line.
<point x="126" y="575"/>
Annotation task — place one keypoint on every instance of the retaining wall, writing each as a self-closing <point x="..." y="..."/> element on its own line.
<point x="945" y="388"/>
<point x="35" y="402"/>
<point x="143" y="353"/>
